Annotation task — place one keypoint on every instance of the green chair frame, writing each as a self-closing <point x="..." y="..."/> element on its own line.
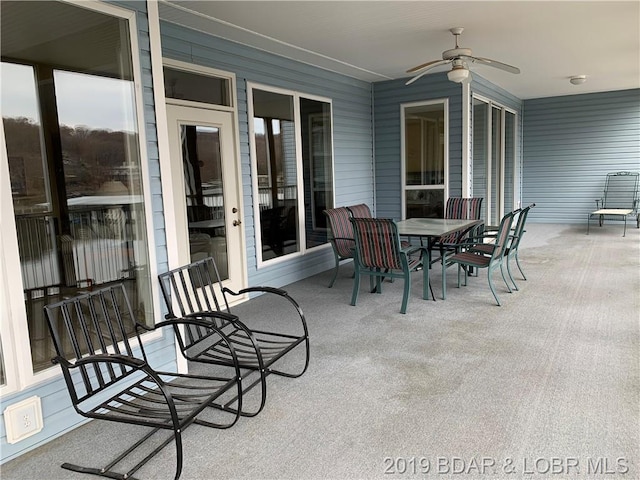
<point x="475" y="259"/>
<point x="511" y="251"/>
<point x="379" y="254"/>
<point x="340" y="237"/>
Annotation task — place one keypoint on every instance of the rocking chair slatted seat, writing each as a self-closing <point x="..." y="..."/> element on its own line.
<point x="379" y="254"/>
<point x="108" y="376"/>
<point x="197" y="291"/>
<point x="466" y="258"/>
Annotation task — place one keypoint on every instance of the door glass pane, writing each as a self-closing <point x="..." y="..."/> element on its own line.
<point x="204" y="190"/>
<point x="424" y="145"/>
<point x="509" y="160"/>
<point x="317" y="163"/>
<point x="480" y="151"/>
<point x="275" y="144"/>
<point x="496" y="167"/>
<point x="72" y="138"/>
<point x="424" y="127"/>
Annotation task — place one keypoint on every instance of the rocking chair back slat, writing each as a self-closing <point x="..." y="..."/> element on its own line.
<point x="93" y="324"/>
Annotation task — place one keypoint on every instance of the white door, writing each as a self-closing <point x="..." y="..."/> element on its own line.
<point x="205" y="175"/>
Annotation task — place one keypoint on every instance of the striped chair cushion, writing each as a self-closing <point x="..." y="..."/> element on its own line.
<point x="341" y="231"/>
<point x="377" y="242"/>
<point x="361" y="210"/>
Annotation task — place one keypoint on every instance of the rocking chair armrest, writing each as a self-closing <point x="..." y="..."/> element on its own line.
<point x="102" y="358"/>
<point x="275" y="291"/>
<point x="197" y="320"/>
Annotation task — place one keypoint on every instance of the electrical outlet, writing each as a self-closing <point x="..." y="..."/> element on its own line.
<point x="23" y="419"/>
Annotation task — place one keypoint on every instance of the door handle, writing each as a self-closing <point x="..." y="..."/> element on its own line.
<point x="236" y="223"/>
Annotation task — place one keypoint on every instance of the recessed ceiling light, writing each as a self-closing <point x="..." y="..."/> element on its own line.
<point x="578" y="79"/>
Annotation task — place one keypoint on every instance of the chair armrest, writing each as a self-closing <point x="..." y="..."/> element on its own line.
<point x="410" y="250"/>
<point x="275" y="291"/>
<point x="100" y="358"/>
<point x="201" y="320"/>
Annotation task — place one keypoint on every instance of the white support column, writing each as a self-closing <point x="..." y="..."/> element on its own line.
<point x="467" y="161"/>
<point x="162" y="129"/>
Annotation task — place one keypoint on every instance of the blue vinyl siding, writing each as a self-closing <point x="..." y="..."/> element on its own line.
<point x="388" y="96"/>
<point x="570" y="144"/>
<point x="352" y="130"/>
<point x="58" y="413"/>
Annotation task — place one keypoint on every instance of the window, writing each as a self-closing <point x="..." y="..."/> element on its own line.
<point x="71" y="134"/>
<point x="494" y="158"/>
<point x="425" y="149"/>
<point x="293" y="167"/>
<point x="183" y="85"/>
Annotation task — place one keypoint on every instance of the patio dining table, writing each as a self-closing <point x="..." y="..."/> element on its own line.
<point x="431" y="229"/>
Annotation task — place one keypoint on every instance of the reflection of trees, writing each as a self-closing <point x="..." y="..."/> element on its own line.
<point x="90" y="156"/>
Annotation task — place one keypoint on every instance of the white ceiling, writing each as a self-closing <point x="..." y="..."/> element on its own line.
<point x="380" y="40"/>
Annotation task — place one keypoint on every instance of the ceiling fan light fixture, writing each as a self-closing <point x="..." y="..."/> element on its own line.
<point x="578" y="79"/>
<point x="458" y="75"/>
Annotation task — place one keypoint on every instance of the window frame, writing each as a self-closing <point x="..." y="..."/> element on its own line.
<point x="15" y="339"/>
<point x="296" y="96"/>
<point x="403" y="151"/>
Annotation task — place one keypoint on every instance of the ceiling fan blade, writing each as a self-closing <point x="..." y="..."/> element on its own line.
<point x="426" y="68"/>
<point x="495" y="63"/>
<point x="432" y="64"/>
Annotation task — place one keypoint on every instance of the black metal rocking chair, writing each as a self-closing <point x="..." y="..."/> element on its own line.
<point x="196" y="290"/>
<point x="108" y="376"/>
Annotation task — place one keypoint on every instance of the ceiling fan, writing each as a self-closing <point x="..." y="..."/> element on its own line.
<point x="459" y="58"/>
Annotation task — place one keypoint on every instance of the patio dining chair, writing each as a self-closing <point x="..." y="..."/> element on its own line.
<point x="514" y="243"/>
<point x="461" y="209"/>
<point x="466" y="258"/>
<point x="379" y="254"/>
<point x="340" y="237"/>
<point x="360" y="210"/>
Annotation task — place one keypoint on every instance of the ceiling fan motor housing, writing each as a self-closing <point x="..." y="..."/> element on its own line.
<point x="456" y="52"/>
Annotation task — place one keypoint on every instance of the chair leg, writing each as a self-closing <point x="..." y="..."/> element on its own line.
<point x="407" y="290"/>
<point x="444" y="280"/>
<point x="493" y="290"/>
<point x="519" y="268"/>
<point x="515" y="287"/>
<point x="356" y="286"/>
<point x="335" y="273"/>
<point x="504" y="279"/>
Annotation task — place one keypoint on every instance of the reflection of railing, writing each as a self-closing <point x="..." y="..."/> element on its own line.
<point x="97" y="249"/>
<point x="38" y="257"/>
<point x="289" y="192"/>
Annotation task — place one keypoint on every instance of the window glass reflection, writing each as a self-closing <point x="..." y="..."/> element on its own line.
<point x="424" y="160"/>
<point x="202" y="165"/>
<point x="71" y="136"/>
<point x="317" y="163"/>
<point x="275" y="143"/>
<point x="23" y="134"/>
